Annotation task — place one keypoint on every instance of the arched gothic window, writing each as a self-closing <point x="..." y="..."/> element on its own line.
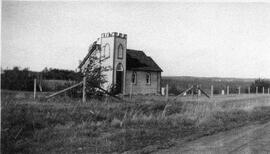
<point x="120" y="51"/>
<point x="134" y="78"/>
<point x="148" y="78"/>
<point x="106" y="51"/>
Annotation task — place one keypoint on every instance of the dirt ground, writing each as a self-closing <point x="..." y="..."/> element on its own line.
<point x="254" y="138"/>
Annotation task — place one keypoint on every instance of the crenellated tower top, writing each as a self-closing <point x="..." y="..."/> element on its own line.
<point x="114" y="34"/>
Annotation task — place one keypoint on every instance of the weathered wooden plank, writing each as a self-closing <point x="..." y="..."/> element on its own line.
<point x="183" y="92"/>
<point x="106" y="92"/>
<point x="61" y="91"/>
<point x="204" y="93"/>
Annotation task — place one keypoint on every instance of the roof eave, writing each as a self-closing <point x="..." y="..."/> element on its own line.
<point x="138" y="69"/>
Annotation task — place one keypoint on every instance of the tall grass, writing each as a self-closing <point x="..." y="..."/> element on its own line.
<point x="66" y="125"/>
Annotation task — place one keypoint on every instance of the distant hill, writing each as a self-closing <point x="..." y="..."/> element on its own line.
<point x="182" y="82"/>
<point x="209" y="79"/>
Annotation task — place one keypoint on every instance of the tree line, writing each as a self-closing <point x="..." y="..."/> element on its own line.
<point x="23" y="79"/>
<point x="260" y="84"/>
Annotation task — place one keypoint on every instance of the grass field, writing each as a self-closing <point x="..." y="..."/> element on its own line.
<point x="141" y="125"/>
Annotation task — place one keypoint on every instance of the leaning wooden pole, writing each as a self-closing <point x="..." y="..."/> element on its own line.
<point x="183" y="92"/>
<point x="108" y="93"/>
<point x="61" y="91"/>
<point x="167" y="93"/>
<point x="204" y="93"/>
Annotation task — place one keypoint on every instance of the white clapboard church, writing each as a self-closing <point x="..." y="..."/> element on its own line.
<point x="128" y="68"/>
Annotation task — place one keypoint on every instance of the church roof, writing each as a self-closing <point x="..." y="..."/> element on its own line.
<point x="138" y="61"/>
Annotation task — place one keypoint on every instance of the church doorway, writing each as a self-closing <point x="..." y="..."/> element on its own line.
<point x="119" y="78"/>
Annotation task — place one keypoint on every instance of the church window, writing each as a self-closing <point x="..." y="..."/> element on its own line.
<point x="106" y="51"/>
<point x="148" y="78"/>
<point x="134" y="78"/>
<point x="120" y="51"/>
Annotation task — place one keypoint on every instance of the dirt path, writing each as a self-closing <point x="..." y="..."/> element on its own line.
<point x="250" y="139"/>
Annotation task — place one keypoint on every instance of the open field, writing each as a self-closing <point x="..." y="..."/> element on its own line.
<point x="184" y="82"/>
<point x="142" y="125"/>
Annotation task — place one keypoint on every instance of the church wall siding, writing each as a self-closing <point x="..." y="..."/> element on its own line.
<point x="141" y="87"/>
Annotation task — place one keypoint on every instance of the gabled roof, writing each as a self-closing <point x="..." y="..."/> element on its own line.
<point x="138" y="61"/>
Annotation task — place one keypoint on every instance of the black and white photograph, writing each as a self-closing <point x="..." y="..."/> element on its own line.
<point x="135" y="77"/>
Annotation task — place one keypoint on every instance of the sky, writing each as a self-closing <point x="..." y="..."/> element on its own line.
<point x="185" y="39"/>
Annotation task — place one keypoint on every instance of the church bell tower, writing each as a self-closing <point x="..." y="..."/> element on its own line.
<point x="113" y="56"/>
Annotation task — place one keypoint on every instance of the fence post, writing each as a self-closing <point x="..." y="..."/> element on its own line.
<point x="239" y="90"/>
<point x="131" y="89"/>
<point x="263" y="91"/>
<point x="35" y="88"/>
<point x="268" y="90"/>
<point x="167" y="92"/>
<point x="248" y="90"/>
<point x="192" y="92"/>
<point x="212" y="90"/>
<point x="84" y="90"/>
<point x="228" y="90"/>
<point x="256" y="90"/>
<point x="199" y="92"/>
